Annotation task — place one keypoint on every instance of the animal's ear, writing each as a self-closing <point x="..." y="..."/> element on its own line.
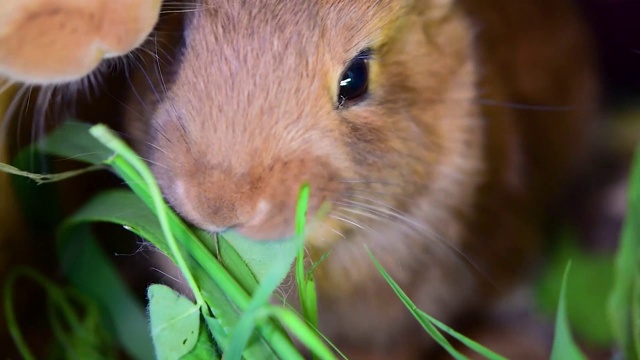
<point x="433" y="10"/>
<point x="439" y="18"/>
<point x="51" y="41"/>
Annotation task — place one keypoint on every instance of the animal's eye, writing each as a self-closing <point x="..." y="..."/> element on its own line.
<point x="354" y="83"/>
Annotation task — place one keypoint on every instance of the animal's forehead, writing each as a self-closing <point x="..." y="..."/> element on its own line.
<point x="279" y="48"/>
<point x="345" y="24"/>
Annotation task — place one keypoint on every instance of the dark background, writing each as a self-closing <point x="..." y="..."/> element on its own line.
<point x="616" y="28"/>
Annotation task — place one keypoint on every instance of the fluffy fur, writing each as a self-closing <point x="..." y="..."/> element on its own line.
<point x="473" y="121"/>
<point x="55" y="41"/>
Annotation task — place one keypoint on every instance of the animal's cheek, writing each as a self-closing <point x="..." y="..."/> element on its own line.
<point x="377" y="135"/>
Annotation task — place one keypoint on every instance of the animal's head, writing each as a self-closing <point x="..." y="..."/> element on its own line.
<point x="370" y="102"/>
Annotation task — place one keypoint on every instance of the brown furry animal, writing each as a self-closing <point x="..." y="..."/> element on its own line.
<point x="438" y="131"/>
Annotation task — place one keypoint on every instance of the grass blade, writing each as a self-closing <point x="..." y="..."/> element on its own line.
<point x="478" y="348"/>
<point x="428" y="327"/>
<point x="107" y="138"/>
<point x="564" y="347"/>
<point x="627" y="270"/>
<point x="304" y="333"/>
<point x="306" y="285"/>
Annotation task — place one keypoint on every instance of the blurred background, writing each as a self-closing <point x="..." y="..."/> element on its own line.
<point x="616" y="28"/>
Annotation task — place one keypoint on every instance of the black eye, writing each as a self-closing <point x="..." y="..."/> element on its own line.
<point x="354" y="83"/>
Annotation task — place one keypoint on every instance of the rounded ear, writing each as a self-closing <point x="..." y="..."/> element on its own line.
<point x="53" y="41"/>
<point x="433" y="10"/>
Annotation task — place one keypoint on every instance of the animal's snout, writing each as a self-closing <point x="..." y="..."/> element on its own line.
<point x="260" y="205"/>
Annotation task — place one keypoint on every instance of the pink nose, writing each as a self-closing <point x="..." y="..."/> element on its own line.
<point x="254" y="226"/>
<point x="259" y="215"/>
<point x="260" y="207"/>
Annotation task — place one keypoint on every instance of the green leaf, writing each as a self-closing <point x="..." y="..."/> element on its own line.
<point x="194" y="246"/>
<point x="263" y="256"/>
<point x="214" y="284"/>
<point x="89" y="341"/>
<point x="71" y="140"/>
<point x="124" y="208"/>
<point x="74" y="319"/>
<point x="138" y="168"/>
<point x="90" y="271"/>
<point x="622" y="307"/>
<point x="237" y="266"/>
<point x="204" y="348"/>
<point x="587" y="292"/>
<point x="175" y="322"/>
<point x="564" y="347"/>
<point x="252" y="314"/>
<point x="635" y="321"/>
<point x="219" y="333"/>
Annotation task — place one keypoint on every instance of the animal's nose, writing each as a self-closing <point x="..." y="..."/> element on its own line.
<point x="221" y="205"/>
<point x="247" y="214"/>
<point x="262" y="208"/>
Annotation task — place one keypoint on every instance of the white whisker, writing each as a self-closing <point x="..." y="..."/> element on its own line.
<point x="342" y="218"/>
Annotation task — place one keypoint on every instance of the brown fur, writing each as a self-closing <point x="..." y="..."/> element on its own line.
<point x="448" y="194"/>
<point x="53" y="41"/>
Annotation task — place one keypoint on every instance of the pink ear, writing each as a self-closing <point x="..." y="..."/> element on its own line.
<point x="53" y="41"/>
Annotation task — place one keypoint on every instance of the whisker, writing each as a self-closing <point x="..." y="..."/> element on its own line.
<point x="368" y="181"/>
<point x="6" y="85"/>
<point x="157" y="127"/>
<point x="180" y="11"/>
<point x="522" y="106"/>
<point x="163" y="83"/>
<point x="24" y="100"/>
<point x="341" y="218"/>
<point x="40" y="112"/>
<point x="395" y="194"/>
<point x="75" y="156"/>
<point x="179" y="281"/>
<point x="156" y="147"/>
<point x="130" y="110"/>
<point x="370" y="213"/>
<point x="153" y="162"/>
<point x="11" y="108"/>
<point x="333" y="230"/>
<point x="180" y="7"/>
<point x="419" y="229"/>
<point x="133" y="87"/>
<point x="393" y="209"/>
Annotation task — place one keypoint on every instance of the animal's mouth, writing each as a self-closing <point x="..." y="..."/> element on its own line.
<point x="320" y="228"/>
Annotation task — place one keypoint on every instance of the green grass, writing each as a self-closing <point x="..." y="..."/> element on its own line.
<point x="233" y="279"/>
<point x="624" y="301"/>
